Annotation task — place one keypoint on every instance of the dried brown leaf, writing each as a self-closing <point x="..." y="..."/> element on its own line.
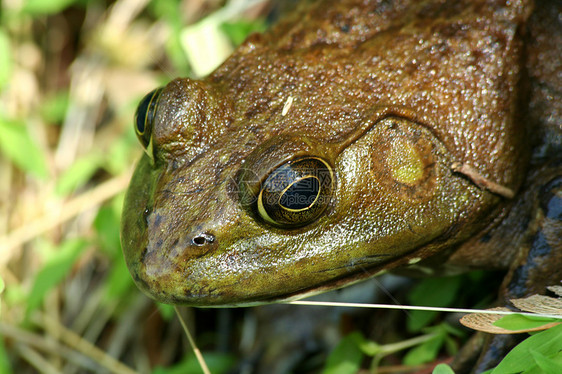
<point x="485" y="322"/>
<point x="539" y="304"/>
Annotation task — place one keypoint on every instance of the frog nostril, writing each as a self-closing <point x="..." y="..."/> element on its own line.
<point x="198" y="240"/>
<point x="203" y="239"/>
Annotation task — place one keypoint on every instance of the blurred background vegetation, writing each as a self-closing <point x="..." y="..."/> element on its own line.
<point x="71" y="75"/>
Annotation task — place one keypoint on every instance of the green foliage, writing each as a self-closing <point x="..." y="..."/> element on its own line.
<point x="78" y="174"/>
<point x="429" y="350"/>
<point x="516" y="322"/>
<point x="217" y="362"/>
<point x="166" y="311"/>
<point x="118" y="283"/>
<point x="545" y="364"/>
<point x="5" y="366"/>
<point x="53" y="108"/>
<point x="107" y="225"/>
<point x="121" y="153"/>
<point x="238" y="31"/>
<point x="37" y="7"/>
<point x="543" y="349"/>
<point x="5" y="59"/>
<point x="369" y="347"/>
<point x="351" y="351"/>
<point x="437" y="292"/>
<point x="167" y="10"/>
<point x="17" y="144"/>
<point x="1" y="291"/>
<point x="56" y="268"/>
<point x="346" y="357"/>
<point x="425" y="352"/>
<point x="47" y="41"/>
<point x="442" y="369"/>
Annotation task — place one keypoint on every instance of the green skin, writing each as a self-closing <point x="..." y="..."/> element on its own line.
<point x="389" y="98"/>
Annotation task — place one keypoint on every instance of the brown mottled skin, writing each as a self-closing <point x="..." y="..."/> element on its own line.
<point x="473" y="82"/>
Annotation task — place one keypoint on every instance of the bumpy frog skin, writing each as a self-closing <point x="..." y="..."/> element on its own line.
<point x="384" y="97"/>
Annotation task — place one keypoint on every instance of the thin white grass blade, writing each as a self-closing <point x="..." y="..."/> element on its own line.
<point x="411" y="307"/>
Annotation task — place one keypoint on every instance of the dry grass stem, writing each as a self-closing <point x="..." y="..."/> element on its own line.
<point x="70" y="338"/>
<point x="36" y="360"/>
<point x="192" y="343"/>
<point x="87" y="200"/>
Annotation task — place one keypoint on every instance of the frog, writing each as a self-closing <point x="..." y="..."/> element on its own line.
<point x="351" y="139"/>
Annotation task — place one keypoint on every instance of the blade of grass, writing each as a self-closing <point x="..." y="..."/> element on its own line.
<point x="412" y="307"/>
<point x="194" y="347"/>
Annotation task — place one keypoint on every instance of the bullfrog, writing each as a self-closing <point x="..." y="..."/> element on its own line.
<point x="351" y="139"/>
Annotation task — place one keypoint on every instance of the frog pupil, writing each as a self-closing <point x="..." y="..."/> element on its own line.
<point x="142" y="112"/>
<point x="145" y="114"/>
<point x="301" y="194"/>
<point x="295" y="193"/>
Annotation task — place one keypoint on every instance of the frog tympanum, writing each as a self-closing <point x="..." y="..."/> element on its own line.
<point x="322" y="153"/>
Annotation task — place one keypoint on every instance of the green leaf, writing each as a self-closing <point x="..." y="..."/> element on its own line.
<point x="168" y="10"/>
<point x="438" y="292"/>
<point x="452" y="330"/>
<point x="46" y="6"/>
<point x="238" y="31"/>
<point x="121" y="152"/>
<point x="418" y="319"/>
<point x="15" y="295"/>
<point x="218" y="363"/>
<point x="547" y="364"/>
<point x="368" y="347"/>
<point x="55" y="270"/>
<point x="547" y="343"/>
<point x="205" y="45"/>
<point x="78" y="174"/>
<point x="519" y="322"/>
<point x="451" y="345"/>
<point x="443" y="369"/>
<point x="107" y="225"/>
<point x="5" y="366"/>
<point x="119" y="283"/>
<point x="166" y="311"/>
<point x="17" y="144"/>
<point x="1" y="290"/>
<point x="425" y="352"/>
<point x="345" y="358"/>
<point x="53" y="108"/>
<point x="6" y="61"/>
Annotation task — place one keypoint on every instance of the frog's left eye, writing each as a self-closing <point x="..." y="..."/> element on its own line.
<point x="144" y="117"/>
<point x="296" y="193"/>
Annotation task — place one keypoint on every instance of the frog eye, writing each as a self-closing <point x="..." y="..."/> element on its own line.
<point x="144" y="117"/>
<point x="296" y="193"/>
